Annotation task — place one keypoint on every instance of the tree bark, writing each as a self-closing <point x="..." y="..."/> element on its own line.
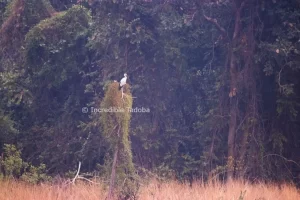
<point x="233" y="92"/>
<point x="231" y="138"/>
<point x="110" y="195"/>
<point x="233" y="73"/>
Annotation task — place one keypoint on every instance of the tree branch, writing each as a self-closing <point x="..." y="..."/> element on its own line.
<point x="88" y="180"/>
<point x="237" y="26"/>
<point x="215" y="22"/>
<point x="284" y="158"/>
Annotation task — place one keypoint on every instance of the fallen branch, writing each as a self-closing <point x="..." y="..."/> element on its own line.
<point x="88" y="180"/>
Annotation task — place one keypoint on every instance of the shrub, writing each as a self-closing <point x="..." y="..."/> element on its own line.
<point x="12" y="166"/>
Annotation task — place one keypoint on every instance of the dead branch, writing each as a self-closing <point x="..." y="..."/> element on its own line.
<point x="88" y="180"/>
<point x="76" y="176"/>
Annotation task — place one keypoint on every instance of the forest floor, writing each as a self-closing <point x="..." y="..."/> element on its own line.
<point x="154" y="190"/>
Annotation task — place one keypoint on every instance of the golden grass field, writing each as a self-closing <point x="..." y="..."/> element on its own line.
<point x="11" y="190"/>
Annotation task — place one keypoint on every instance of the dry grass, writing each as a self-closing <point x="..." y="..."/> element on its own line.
<point x="154" y="191"/>
<point x="21" y="191"/>
<point x="218" y="191"/>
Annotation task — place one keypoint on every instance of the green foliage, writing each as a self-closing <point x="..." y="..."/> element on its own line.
<point x="54" y="40"/>
<point x="277" y="54"/>
<point x="32" y="10"/>
<point x="116" y="130"/>
<point x="34" y="174"/>
<point x="54" y="63"/>
<point x="113" y="99"/>
<point x="7" y="127"/>
<point x="19" y="17"/>
<point x="12" y="162"/>
<point x="3" y="5"/>
<point x="55" y="47"/>
<point x="55" y="60"/>
<point x="13" y="166"/>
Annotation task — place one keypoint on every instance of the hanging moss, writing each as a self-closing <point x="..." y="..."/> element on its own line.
<point x="116" y="130"/>
<point x="113" y="99"/>
<point x="112" y="121"/>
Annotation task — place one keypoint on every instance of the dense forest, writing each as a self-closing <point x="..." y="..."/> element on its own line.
<point x="214" y="89"/>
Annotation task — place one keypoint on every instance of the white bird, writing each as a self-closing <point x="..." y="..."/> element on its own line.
<point x="123" y="80"/>
<point x="122" y="83"/>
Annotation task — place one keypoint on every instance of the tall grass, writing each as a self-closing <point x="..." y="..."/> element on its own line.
<point x="238" y="190"/>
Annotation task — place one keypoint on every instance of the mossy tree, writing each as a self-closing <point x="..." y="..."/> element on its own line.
<point x="116" y="130"/>
<point x="55" y="56"/>
<point x="17" y="17"/>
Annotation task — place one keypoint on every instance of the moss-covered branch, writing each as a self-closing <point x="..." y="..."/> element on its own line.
<point x="116" y="129"/>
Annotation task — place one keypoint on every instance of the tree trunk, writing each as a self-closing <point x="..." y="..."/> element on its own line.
<point x="233" y="74"/>
<point x="231" y="138"/>
<point x="110" y="195"/>
<point x="233" y="107"/>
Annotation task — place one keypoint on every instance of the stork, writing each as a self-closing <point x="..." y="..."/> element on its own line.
<point x="123" y="82"/>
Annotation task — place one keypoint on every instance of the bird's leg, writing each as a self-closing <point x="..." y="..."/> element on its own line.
<point x="122" y="92"/>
